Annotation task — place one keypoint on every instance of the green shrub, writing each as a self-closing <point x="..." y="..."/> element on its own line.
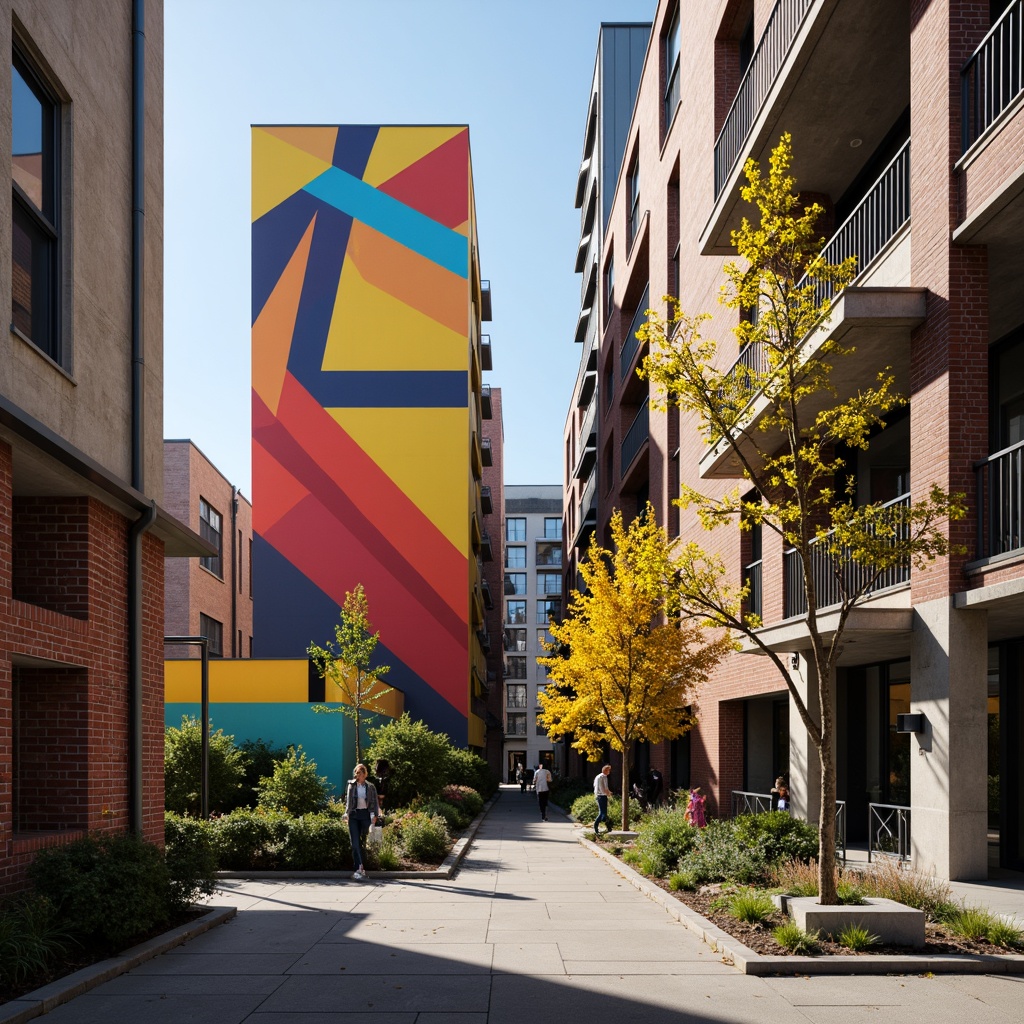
<point x="681" y="880"/>
<point x="716" y="857"/>
<point x="454" y="818"/>
<point x="584" y="809"/>
<point x="422" y="837"/>
<point x="31" y="939"/>
<point x="248" y="840"/>
<point x="1005" y="933"/>
<point x="970" y="922"/>
<point x="631" y="857"/>
<point x="797" y="877"/>
<point x="468" y="769"/>
<point x="294" y="785"/>
<point x="565" y="792"/>
<point x="190" y="851"/>
<point x="420" y="759"/>
<point x="467" y="799"/>
<point x="792" y="937"/>
<point x="261" y="759"/>
<point x="385" y="855"/>
<point x="751" y="906"/>
<point x="183" y="765"/>
<point x="855" y="937"/>
<point x="314" y="842"/>
<point x="777" y="836"/>
<point x="652" y="865"/>
<point x="665" y="833"/>
<point x="107" y="888"/>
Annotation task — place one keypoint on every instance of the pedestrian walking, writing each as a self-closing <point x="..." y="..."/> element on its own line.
<point x="602" y="791"/>
<point x="362" y="810"/>
<point x="542" y="787"/>
<point x="521" y="778"/>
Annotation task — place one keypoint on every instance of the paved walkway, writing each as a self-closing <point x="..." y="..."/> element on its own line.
<point x="533" y="928"/>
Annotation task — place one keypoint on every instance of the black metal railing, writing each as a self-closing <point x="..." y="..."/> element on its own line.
<point x="750" y="803"/>
<point x="755" y="596"/>
<point x="772" y="48"/>
<point x="1000" y="480"/>
<point x="888" y="831"/>
<point x="841" y="830"/>
<point x="993" y="76"/>
<point x="631" y="343"/>
<point x="876" y="219"/>
<point x="837" y="574"/>
<point x="636" y="437"/>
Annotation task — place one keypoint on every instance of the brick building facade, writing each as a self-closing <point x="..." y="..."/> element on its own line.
<point x="907" y="122"/>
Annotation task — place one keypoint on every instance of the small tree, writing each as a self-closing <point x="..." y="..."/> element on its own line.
<point x="779" y="412"/>
<point x="294" y="785"/>
<point x="627" y="665"/>
<point x="419" y="759"/>
<point x="183" y="768"/>
<point x="348" y="663"/>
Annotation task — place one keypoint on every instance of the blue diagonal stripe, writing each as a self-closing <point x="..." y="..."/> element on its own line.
<point x="390" y="217"/>
<point x="391" y="389"/>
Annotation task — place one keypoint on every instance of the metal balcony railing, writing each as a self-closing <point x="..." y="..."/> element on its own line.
<point x="994" y="76"/>
<point x="750" y="803"/>
<point x="888" y="831"/>
<point x="636" y="437"/>
<point x="631" y="343"/>
<point x="768" y="58"/>
<point x="755" y="598"/>
<point x="876" y="219"/>
<point x="836" y="575"/>
<point x="1000" y="480"/>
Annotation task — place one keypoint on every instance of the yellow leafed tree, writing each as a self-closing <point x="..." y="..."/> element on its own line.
<point x="624" y="666"/>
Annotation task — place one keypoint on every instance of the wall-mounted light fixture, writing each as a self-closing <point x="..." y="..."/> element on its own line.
<point x="910" y="723"/>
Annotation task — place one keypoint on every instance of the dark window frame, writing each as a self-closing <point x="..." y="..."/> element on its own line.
<point x="215" y="535"/>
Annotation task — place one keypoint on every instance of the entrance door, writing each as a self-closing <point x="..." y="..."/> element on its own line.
<point x="515" y="758"/>
<point x="1006" y="773"/>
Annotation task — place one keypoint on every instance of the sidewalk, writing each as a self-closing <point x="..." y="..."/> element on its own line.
<point x="533" y="928"/>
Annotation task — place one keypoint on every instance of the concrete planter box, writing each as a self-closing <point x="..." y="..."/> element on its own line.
<point x="893" y="923"/>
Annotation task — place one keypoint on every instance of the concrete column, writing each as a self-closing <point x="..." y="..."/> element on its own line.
<point x="948" y="772"/>
<point x="804" y="767"/>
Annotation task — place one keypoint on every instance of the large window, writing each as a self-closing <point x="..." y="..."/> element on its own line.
<point x="515" y="695"/>
<point x="515" y="668"/>
<point x="549" y="583"/>
<point x="210" y="529"/>
<point x="515" y="640"/>
<point x="515" y="723"/>
<point x="516" y="613"/>
<point x="35" y="159"/>
<point x="515" y="584"/>
<point x="549" y="553"/>
<point x="515" y="530"/>
<point x="515" y="558"/>
<point x="549" y="609"/>
<point x="673" y="44"/>
<point x="552" y="527"/>
<point x="214" y="633"/>
<point x="633" y="182"/>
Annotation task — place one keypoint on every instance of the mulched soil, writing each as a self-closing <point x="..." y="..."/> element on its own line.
<point x="758" y="937"/>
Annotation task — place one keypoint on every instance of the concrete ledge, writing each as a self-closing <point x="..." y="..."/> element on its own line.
<point x="893" y="923"/>
<point x="744" y="959"/>
<point x="43" y="1000"/>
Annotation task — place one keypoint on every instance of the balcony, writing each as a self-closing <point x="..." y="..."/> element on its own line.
<point x="485" y="500"/>
<point x="1000" y="483"/>
<point x="874" y="317"/>
<point x="752" y="574"/>
<point x="838" y="575"/>
<point x="631" y="343"/>
<point x="636" y="438"/>
<point x="587" y="445"/>
<point x="485" y="547"/>
<point x="850" y="59"/>
<point x="588" y="385"/>
<point x="485" y="640"/>
<point x="994" y="76"/>
<point x="485" y="451"/>
<point x="485" y="589"/>
<point x="485" y="401"/>
<point x="485" y="352"/>
<point x="485" y="300"/>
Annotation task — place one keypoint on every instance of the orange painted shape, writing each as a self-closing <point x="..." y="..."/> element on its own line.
<point x="317" y="141"/>
<point x="272" y="332"/>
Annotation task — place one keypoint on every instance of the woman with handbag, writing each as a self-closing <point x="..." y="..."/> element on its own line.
<point x="362" y="809"/>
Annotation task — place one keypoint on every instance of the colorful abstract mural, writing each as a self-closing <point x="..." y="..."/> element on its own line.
<point x="362" y="259"/>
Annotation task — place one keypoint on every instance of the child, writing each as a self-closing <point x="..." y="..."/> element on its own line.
<point x="781" y="794"/>
<point x="695" y="808"/>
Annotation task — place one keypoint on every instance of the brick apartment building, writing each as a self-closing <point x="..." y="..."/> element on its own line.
<point x="908" y="126"/>
<point x="211" y="596"/>
<point x="82" y="535"/>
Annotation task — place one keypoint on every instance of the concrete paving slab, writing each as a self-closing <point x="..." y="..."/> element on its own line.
<point x="442" y="958"/>
<point x="228" y="965"/>
<point x="402" y="931"/>
<point x="100" y="1008"/>
<point x="533" y="958"/>
<point x="166" y="986"/>
<point x="381" y="994"/>
<point x="344" y="1017"/>
<point x="260" y="931"/>
<point x="709" y="965"/>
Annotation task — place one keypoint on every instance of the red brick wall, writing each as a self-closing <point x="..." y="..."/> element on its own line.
<point x="51" y="554"/>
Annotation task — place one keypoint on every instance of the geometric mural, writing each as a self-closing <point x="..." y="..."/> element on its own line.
<point x="361" y="256"/>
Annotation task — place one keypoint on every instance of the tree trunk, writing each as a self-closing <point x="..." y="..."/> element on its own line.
<point x="827" y="814"/>
<point x="625" y="790"/>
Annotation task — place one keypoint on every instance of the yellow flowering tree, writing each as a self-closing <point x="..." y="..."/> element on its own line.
<point x="623" y="665"/>
<point x="783" y="414"/>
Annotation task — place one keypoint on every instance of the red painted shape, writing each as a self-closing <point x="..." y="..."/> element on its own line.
<point x="438" y="184"/>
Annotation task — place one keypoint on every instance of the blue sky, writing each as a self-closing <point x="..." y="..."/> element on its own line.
<point x="518" y="72"/>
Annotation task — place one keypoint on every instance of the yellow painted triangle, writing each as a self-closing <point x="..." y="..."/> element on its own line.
<point x="423" y="451"/>
<point x="372" y="330"/>
<point x="399" y="147"/>
<point x="279" y="170"/>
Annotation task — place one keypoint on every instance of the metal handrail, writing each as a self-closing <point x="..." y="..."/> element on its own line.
<point x="631" y="343"/>
<point x="755" y="598"/>
<point x="993" y="76"/>
<point x="889" y="831"/>
<point x="636" y="437"/>
<point x="750" y="803"/>
<point x="834" y="576"/>
<point x="841" y="830"/>
<point x="769" y="55"/>
<point x="1000" y="490"/>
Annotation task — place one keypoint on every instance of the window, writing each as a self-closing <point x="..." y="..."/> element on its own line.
<point x="209" y="529"/>
<point x="548" y="553"/>
<point x="549" y="609"/>
<point x="515" y="640"/>
<point x="543" y="672"/>
<point x="240" y="549"/>
<point x="250" y="577"/>
<point x="515" y="558"/>
<point x="752" y="568"/>
<point x="35" y="172"/>
<point x="609" y="291"/>
<point x="515" y="668"/>
<point x="544" y="637"/>
<point x="214" y="633"/>
<point x="673" y="44"/>
<point x="516" y="613"/>
<point x="515" y="530"/>
<point x="541" y="731"/>
<point x="552" y="528"/>
<point x="633" y="183"/>
<point x="515" y="583"/>
<point x="515" y="724"/>
<point x="549" y="583"/>
<point x="515" y="695"/>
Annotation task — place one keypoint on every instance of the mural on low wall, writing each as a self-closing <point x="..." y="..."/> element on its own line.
<point x="361" y="257"/>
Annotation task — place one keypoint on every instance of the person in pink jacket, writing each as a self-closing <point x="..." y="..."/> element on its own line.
<point x="695" y="808"/>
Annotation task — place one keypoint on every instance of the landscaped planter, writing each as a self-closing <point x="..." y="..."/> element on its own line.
<point x="893" y="923"/>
